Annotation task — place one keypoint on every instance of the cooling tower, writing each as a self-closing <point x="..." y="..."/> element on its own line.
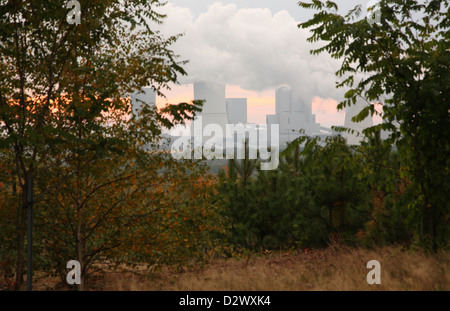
<point x="236" y="110"/>
<point x="214" y="94"/>
<point x="350" y="112"/>
<point x="214" y="109"/>
<point x="292" y="114"/>
<point x="283" y="99"/>
<point x="147" y="96"/>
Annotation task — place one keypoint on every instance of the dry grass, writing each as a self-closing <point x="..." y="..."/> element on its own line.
<point x="335" y="268"/>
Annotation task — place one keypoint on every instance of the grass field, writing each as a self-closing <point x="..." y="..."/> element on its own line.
<point x="334" y="268"/>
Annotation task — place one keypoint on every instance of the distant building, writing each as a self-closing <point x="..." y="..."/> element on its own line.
<point x="236" y="110"/>
<point x="214" y="109"/>
<point x="292" y="114"/>
<point x="147" y="96"/>
<point x="356" y="137"/>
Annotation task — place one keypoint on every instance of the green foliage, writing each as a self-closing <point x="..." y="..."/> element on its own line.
<point x="322" y="190"/>
<point x="389" y="220"/>
<point x="314" y="192"/>
<point x="64" y="91"/>
<point x="403" y="63"/>
<point x="129" y="204"/>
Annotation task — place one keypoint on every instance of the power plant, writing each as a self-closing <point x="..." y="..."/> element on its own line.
<point x="236" y="110"/>
<point x="356" y="137"/>
<point x="292" y="113"/>
<point x="147" y="96"/>
<point x="214" y="109"/>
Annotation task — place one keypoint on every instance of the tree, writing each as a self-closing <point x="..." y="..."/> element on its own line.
<point x="382" y="171"/>
<point x="314" y="193"/>
<point x="115" y="207"/>
<point x="58" y="80"/>
<point x="403" y="63"/>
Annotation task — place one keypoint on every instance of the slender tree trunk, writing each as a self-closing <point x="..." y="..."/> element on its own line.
<point x="342" y="204"/>
<point x="430" y="225"/>
<point x="330" y="215"/>
<point x="80" y="224"/>
<point x="80" y="250"/>
<point x="21" y="230"/>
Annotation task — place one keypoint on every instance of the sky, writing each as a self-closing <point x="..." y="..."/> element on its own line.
<point x="253" y="46"/>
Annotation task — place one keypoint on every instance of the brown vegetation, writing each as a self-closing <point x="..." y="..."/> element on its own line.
<point x="335" y="268"/>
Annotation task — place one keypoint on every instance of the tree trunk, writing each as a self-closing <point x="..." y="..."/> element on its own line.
<point x="80" y="248"/>
<point x="430" y="223"/>
<point x="430" y="227"/>
<point x="21" y="230"/>
<point x="80" y="233"/>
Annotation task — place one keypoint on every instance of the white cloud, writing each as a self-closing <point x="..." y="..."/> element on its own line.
<point x="252" y="48"/>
